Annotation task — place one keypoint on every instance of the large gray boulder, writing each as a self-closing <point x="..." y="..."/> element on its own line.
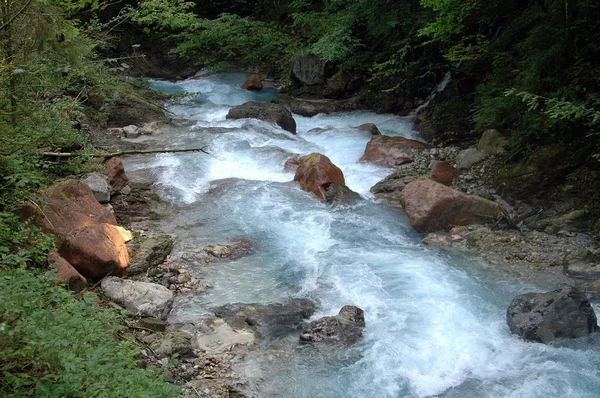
<point x="139" y="298"/>
<point x="346" y="327"/>
<point x="564" y="312"/>
<point x="99" y="185"/>
<point x="310" y="70"/>
<point x="469" y="157"/>
<point x="269" y="112"/>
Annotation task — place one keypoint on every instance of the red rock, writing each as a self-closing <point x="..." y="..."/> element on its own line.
<point x="115" y="171"/>
<point x="96" y="251"/>
<point x="66" y="207"/>
<point x="292" y="164"/>
<point x="66" y="273"/>
<point x="391" y="151"/>
<point x="316" y="172"/>
<point x="443" y="173"/>
<point x="432" y="206"/>
<point x="253" y="83"/>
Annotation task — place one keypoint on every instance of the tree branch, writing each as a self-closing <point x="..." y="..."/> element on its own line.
<point x="115" y="154"/>
<point x="7" y="23"/>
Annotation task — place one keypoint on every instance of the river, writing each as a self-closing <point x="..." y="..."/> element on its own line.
<point x="435" y="322"/>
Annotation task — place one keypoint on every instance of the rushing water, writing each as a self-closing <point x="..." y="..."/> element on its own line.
<point x="435" y="323"/>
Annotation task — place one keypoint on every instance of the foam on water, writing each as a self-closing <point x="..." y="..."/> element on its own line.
<point x="433" y="329"/>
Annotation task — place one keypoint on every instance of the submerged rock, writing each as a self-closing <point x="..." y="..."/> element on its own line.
<point x="391" y="151"/>
<point x="233" y="250"/>
<point x="139" y="298"/>
<point x="564" y="312"/>
<point x="432" y="206"/>
<point x="316" y="173"/>
<point x="264" y="111"/>
<point x="369" y="128"/>
<point x="346" y="327"/>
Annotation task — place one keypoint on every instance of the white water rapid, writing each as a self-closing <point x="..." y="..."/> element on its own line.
<point x="435" y="322"/>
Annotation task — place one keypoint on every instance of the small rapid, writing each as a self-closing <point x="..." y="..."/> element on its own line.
<point x="435" y="322"/>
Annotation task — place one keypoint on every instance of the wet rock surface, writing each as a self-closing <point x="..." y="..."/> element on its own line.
<point x="316" y="172"/>
<point x="273" y="113"/>
<point x="346" y="327"/>
<point x="564" y="312"/>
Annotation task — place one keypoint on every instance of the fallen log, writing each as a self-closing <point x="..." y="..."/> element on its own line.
<point x="107" y="156"/>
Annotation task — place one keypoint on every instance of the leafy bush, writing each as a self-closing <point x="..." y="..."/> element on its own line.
<point x="52" y="345"/>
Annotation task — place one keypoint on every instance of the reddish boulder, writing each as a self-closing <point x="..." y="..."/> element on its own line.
<point x="316" y="172"/>
<point x="115" y="172"/>
<point x="391" y="151"/>
<point x="66" y="207"/>
<point x="291" y="165"/>
<point x="66" y="273"/>
<point x="432" y="206"/>
<point x="96" y="251"/>
<point x="253" y="83"/>
<point x="443" y="173"/>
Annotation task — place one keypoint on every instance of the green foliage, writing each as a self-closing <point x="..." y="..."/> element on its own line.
<point x="450" y="17"/>
<point x="52" y="345"/>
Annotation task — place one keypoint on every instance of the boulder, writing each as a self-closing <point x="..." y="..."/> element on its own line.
<point x="291" y="165"/>
<point x="584" y="264"/>
<point x="316" y="172"/>
<point x="173" y="343"/>
<point x="115" y="171"/>
<point x="149" y="252"/>
<point x="491" y="142"/>
<point x="338" y="194"/>
<point x="369" y="128"/>
<point x="139" y="298"/>
<point x="98" y="183"/>
<point x="469" y="157"/>
<point x="308" y="107"/>
<point x="391" y="151"/>
<point x="564" y="312"/>
<point x="129" y="110"/>
<point x="131" y="131"/>
<point x="443" y="173"/>
<point x="66" y="273"/>
<point x="235" y="249"/>
<point x="390" y="188"/>
<point x="432" y="206"/>
<point x="66" y="207"/>
<point x="346" y="327"/>
<point x="253" y="83"/>
<point x="264" y="111"/>
<point x="310" y="70"/>
<point x="96" y="251"/>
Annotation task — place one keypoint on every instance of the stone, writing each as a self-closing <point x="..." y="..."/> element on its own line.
<point x="443" y="173"/>
<point x="108" y="207"/>
<point x="564" y="312"/>
<point x="291" y="165"/>
<point x="584" y="264"/>
<point x="148" y="128"/>
<point x="308" y="107"/>
<point x="223" y="337"/>
<point x="390" y="188"/>
<point x="272" y="113"/>
<point x="338" y="194"/>
<point x="432" y="206"/>
<point x="139" y="298"/>
<point x="115" y="171"/>
<point x="346" y="327"/>
<point x="491" y="142"/>
<point x="469" y="157"/>
<point x="66" y="273"/>
<point x="148" y="252"/>
<point x="96" y="251"/>
<point x="98" y="183"/>
<point x="391" y="151"/>
<point x="129" y="110"/>
<point x="125" y="234"/>
<point x="172" y="343"/>
<point x="66" y="207"/>
<point x="310" y="70"/>
<point x="154" y="324"/>
<point x="369" y="128"/>
<point x="253" y="83"/>
<point x="116" y="131"/>
<point x="131" y="131"/>
<point x="316" y="172"/>
<point x="235" y="249"/>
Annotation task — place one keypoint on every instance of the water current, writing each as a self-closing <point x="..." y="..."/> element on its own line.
<point x="435" y="322"/>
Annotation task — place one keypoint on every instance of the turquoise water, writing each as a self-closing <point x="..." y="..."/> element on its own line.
<point x="435" y="323"/>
